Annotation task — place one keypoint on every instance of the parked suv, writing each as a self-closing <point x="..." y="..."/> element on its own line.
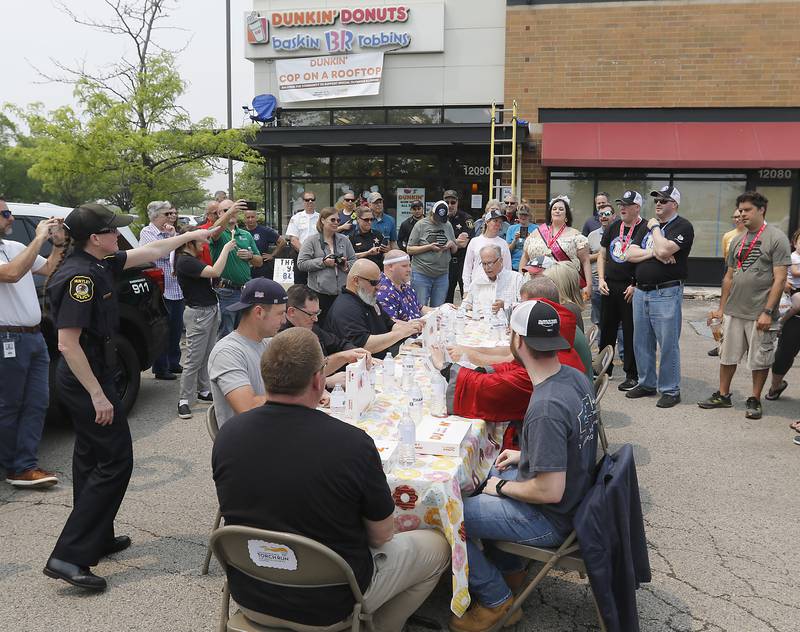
<point x="143" y="321"/>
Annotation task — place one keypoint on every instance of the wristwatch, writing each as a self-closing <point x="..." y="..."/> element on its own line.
<point x="499" y="488"/>
<point x="769" y="311"/>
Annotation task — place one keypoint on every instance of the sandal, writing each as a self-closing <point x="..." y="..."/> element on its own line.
<point x="795" y="425"/>
<point x="774" y="394"/>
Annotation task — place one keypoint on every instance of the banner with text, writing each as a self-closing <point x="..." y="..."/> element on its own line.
<point x="330" y="77"/>
<point x="405" y="197"/>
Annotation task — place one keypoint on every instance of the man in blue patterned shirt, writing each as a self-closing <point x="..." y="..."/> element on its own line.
<point x="395" y="294"/>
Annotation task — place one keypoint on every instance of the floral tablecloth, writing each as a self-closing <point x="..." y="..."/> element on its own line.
<point x="428" y="495"/>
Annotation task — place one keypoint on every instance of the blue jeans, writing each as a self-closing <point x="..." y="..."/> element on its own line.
<point x="492" y="518"/>
<point x="430" y="290"/>
<point x="24" y="396"/>
<point x="227" y="320"/>
<point x="657" y="319"/>
<point x="170" y="360"/>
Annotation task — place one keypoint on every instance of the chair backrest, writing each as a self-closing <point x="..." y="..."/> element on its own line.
<point x="594" y="332"/>
<point x="600" y="386"/>
<point x="603" y="359"/>
<point x="264" y="106"/>
<point x="211" y="423"/>
<point x="282" y="559"/>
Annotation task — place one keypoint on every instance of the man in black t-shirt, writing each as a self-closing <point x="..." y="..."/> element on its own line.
<point x="662" y="265"/>
<point x="368" y="243"/>
<point x="323" y="480"/>
<point x="616" y="278"/>
<point x="417" y="213"/>
<point x="462" y="224"/>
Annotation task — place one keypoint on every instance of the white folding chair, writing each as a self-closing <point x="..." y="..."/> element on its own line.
<point x="213" y="430"/>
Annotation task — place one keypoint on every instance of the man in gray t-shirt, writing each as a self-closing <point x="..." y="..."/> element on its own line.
<point x="432" y="244"/>
<point x="234" y="366"/>
<point x="532" y="494"/>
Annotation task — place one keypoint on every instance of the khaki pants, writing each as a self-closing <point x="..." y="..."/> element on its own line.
<point x="407" y="569"/>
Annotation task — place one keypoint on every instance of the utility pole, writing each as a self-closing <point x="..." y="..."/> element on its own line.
<point x="228" y="78"/>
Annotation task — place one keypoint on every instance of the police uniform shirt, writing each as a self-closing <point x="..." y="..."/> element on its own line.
<point x="364" y="241"/>
<point x="82" y="295"/>
<point x="461" y="223"/>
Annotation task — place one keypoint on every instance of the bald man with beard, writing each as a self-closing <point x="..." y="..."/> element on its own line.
<point x="356" y="316"/>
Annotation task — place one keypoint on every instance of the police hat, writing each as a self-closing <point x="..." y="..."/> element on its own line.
<point x="90" y="219"/>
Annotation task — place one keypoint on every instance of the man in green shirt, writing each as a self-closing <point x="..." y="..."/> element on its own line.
<point x="240" y="261"/>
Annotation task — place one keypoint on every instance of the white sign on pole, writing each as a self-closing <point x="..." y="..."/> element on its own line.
<point x="405" y="197"/>
<point x="284" y="272"/>
<point x="331" y="77"/>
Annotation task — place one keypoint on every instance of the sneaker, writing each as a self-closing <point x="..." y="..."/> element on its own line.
<point x="166" y="376"/>
<point x="714" y="353"/>
<point x="796" y="439"/>
<point x="184" y="412"/>
<point x="668" y="401"/>
<point x="753" y="408"/>
<point x="178" y="369"/>
<point x="34" y="478"/>
<point x="640" y="391"/>
<point x="717" y="400"/>
<point x="628" y="384"/>
<point x="205" y="398"/>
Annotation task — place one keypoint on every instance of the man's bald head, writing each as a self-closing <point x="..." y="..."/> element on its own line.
<point x="397" y="267"/>
<point x="212" y="211"/>
<point x="362" y="280"/>
<point x="539" y="287"/>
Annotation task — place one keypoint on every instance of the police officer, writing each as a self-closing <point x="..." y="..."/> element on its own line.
<point x="461" y="223"/>
<point x="83" y="303"/>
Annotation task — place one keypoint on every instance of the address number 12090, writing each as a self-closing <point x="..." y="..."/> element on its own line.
<point x="475" y="171"/>
<point x="774" y="174"/>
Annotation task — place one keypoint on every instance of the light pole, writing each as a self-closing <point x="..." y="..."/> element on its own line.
<point x="228" y="80"/>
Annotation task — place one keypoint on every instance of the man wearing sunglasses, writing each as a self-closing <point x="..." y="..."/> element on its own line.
<point x="605" y="215"/>
<point x="662" y="265"/>
<point x="347" y="215"/>
<point x="356" y="316"/>
<point x="302" y="225"/>
<point x="24" y="362"/>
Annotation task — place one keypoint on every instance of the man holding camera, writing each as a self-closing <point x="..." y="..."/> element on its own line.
<point x="367" y="242"/>
<point x="237" y="269"/>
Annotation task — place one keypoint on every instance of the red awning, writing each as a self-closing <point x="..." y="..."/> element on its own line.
<point x="673" y="145"/>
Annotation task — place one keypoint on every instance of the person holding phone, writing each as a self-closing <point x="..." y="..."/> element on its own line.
<point x="518" y="233"/>
<point x="367" y="242"/>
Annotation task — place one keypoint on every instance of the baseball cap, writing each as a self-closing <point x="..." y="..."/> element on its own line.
<point x="93" y="218"/>
<point x="450" y="193"/>
<point x="630" y="197"/>
<point x="260" y="291"/>
<point x="493" y="214"/>
<point x="440" y="211"/>
<point x="416" y="204"/>
<point x="374" y="197"/>
<point x="539" y="264"/>
<point x="668" y="192"/>
<point x="538" y="324"/>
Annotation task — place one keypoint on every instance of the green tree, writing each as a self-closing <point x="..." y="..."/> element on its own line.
<point x="15" y="183"/>
<point x="130" y="142"/>
<point x="249" y="183"/>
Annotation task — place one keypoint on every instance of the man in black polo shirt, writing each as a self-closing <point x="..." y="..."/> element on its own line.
<point x="323" y="480"/>
<point x="356" y="316"/>
<point x="367" y="243"/>
<point x="417" y="213"/>
<point x="662" y="267"/>
<point x="462" y="225"/>
<point x="616" y="278"/>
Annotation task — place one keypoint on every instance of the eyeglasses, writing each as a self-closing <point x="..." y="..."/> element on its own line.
<point x="334" y="219"/>
<point x="451" y="202"/>
<point x="510" y="203"/>
<point x="372" y="282"/>
<point x="605" y="214"/>
<point x="310" y="314"/>
<point x="310" y="199"/>
<point x="5" y="214"/>
<point x="664" y="200"/>
<point x="489" y="264"/>
<point x="366" y="219"/>
<point x="171" y="213"/>
<point x="349" y="200"/>
<point x="106" y="231"/>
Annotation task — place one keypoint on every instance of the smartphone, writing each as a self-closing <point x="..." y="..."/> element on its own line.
<point x="251" y="206"/>
<point x="523" y="231"/>
<point x="385" y="241"/>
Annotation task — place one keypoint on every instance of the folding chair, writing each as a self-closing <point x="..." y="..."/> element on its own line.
<point x="317" y="566"/>
<point x="567" y="556"/>
<point x="213" y="429"/>
<point x="600" y="386"/>
<point x="594" y="333"/>
<point x="603" y="359"/>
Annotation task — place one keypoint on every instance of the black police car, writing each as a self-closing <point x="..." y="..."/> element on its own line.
<point x="143" y="317"/>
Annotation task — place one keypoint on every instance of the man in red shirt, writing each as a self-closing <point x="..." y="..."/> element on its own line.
<point x="212" y="213"/>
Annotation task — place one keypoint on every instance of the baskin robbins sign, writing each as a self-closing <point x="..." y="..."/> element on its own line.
<point x="414" y="27"/>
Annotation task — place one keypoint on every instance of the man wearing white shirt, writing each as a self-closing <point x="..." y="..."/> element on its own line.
<point x="301" y="225"/>
<point x="492" y="284"/>
<point x="24" y="361"/>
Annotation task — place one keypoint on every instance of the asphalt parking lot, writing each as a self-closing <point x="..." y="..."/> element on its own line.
<point x="719" y="493"/>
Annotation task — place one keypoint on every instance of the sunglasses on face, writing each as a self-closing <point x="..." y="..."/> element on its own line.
<point x="366" y="219"/>
<point x="5" y="214"/>
<point x="349" y="199"/>
<point x="372" y="282"/>
<point x="309" y="199"/>
<point x="334" y="219"/>
<point x="510" y="203"/>
<point x="663" y="200"/>
<point x="605" y="214"/>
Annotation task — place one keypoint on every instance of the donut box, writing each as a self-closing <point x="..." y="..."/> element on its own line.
<point x="388" y="452"/>
<point x="441" y="436"/>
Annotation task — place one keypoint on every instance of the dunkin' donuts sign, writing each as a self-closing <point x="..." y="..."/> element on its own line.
<point x="401" y="28"/>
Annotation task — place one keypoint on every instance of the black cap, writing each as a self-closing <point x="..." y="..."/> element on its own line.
<point x="667" y="191"/>
<point x="93" y="218"/>
<point x="539" y="325"/>
<point x="450" y="193"/>
<point x="630" y="197"/>
<point x="260" y="291"/>
<point x="440" y="211"/>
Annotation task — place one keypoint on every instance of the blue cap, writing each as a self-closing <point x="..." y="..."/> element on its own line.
<point x="260" y="291"/>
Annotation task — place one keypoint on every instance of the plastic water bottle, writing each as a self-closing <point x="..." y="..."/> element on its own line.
<point x="407" y="436"/>
<point x="388" y="373"/>
<point x="461" y="320"/>
<point x="438" y="403"/>
<point x="338" y="401"/>
<point x="415" y="404"/>
<point x="408" y="371"/>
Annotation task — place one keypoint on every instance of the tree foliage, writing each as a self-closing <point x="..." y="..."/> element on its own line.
<point x="128" y="141"/>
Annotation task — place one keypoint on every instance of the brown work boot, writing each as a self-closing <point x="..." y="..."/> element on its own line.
<point x="515" y="581"/>
<point x="34" y="479"/>
<point x="480" y="618"/>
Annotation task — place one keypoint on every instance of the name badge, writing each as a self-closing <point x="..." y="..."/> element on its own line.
<point x="9" y="350"/>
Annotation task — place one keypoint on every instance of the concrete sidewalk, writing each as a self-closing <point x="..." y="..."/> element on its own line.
<point x="719" y="494"/>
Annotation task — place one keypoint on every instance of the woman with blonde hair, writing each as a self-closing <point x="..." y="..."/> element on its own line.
<point x="567" y="281"/>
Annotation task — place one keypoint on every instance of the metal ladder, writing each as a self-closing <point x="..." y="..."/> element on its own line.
<point x="508" y="150"/>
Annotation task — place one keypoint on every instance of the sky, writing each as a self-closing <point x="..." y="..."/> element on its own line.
<point x="36" y="31"/>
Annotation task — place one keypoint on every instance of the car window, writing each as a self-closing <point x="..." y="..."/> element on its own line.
<point x="24" y="229"/>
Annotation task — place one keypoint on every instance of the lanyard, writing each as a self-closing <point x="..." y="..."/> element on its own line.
<point x="550" y="240"/>
<point x="750" y="248"/>
<point x="624" y="243"/>
<point x="649" y="235"/>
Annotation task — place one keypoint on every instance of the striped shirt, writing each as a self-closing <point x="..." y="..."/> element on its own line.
<point x="172" y="290"/>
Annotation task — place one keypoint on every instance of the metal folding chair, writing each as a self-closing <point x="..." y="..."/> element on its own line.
<point x="600" y="386"/>
<point x="317" y="566"/>
<point x="213" y="430"/>
<point x="594" y="333"/>
<point x="603" y="359"/>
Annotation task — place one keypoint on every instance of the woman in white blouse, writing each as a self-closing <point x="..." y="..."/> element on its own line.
<point x="492" y="223"/>
<point x="557" y="239"/>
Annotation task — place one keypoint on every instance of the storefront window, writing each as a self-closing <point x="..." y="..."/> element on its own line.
<point x="305" y="118"/>
<point x="401" y="166"/>
<point x="780" y="200"/>
<point x="359" y="117"/>
<point x="359" y="166"/>
<point x="581" y="198"/>
<point x="305" y="166"/>
<point x="415" y="116"/>
<point x="457" y="116"/>
<point x="292" y="196"/>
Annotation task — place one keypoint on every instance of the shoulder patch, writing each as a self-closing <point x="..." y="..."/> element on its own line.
<point x="81" y="288"/>
<point x="470" y="224"/>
